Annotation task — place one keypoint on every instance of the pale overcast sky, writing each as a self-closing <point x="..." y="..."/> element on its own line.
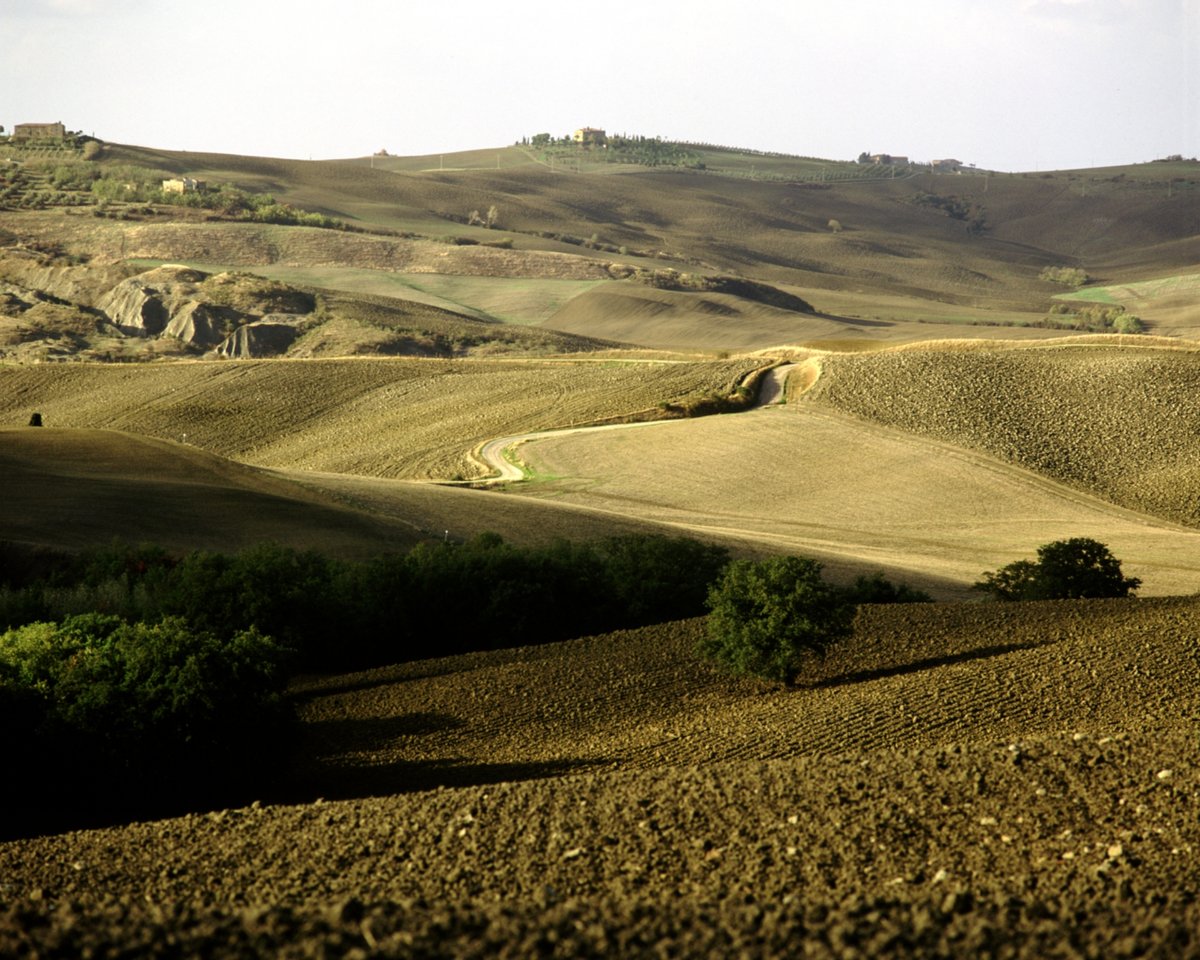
<point x="1005" y="84"/>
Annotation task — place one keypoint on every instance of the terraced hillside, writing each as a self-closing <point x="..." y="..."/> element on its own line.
<point x="956" y="780"/>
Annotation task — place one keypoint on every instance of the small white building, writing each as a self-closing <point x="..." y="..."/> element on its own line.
<point x="184" y="185"/>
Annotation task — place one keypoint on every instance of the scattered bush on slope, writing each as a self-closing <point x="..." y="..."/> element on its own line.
<point x="764" y="617"/>
<point x="1064" y="570"/>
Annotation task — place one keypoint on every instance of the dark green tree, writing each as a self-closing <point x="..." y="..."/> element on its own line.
<point x="1065" y="569"/>
<point x="765" y="616"/>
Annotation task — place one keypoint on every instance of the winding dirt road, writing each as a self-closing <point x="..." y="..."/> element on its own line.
<point x="499" y="454"/>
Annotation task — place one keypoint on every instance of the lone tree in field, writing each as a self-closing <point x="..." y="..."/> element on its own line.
<point x="764" y="616"/>
<point x="1064" y="570"/>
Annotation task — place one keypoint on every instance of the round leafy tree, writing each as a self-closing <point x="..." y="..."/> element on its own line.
<point x="1064" y="570"/>
<point x="764" y="616"/>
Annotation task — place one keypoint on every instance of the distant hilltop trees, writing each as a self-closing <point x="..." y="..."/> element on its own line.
<point x="617" y="148"/>
<point x="948" y="165"/>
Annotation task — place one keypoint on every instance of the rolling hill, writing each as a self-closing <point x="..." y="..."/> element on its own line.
<point x="953" y="779"/>
<point x="939" y="249"/>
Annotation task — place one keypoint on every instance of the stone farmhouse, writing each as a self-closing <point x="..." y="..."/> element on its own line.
<point x="39" y="131"/>
<point x="184" y="185"/>
<point x="590" y="137"/>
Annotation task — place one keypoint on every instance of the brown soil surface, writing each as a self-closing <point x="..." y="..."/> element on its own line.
<point x="956" y="780"/>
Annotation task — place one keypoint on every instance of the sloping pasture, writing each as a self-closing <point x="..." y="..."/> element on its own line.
<point x="415" y="419"/>
<point x="806" y="479"/>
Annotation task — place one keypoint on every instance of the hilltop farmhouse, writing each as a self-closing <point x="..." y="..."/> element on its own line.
<point x="184" y="185"/>
<point x="590" y="137"/>
<point x="39" y="131"/>
<point x="946" y="166"/>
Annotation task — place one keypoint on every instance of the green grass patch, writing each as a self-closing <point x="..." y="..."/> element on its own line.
<point x="1117" y="293"/>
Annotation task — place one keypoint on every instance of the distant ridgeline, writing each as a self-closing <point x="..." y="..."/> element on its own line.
<point x="592" y="145"/>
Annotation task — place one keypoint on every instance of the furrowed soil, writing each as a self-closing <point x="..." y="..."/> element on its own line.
<point x="1009" y="780"/>
<point x="951" y="780"/>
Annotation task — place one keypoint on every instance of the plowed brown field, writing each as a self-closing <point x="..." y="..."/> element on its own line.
<point x="956" y="780"/>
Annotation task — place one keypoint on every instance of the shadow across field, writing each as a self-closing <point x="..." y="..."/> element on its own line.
<point x="333" y="737"/>
<point x="854" y="321"/>
<point x="930" y="663"/>
<point x="384" y="780"/>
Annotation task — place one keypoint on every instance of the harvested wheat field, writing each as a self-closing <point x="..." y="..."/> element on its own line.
<point x="805" y="478"/>
<point x="1117" y="420"/>
<point x="413" y="419"/>
<point x="956" y="780"/>
<point x="72" y="489"/>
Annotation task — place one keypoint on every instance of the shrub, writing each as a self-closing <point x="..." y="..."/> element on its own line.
<point x="439" y="599"/>
<point x="1068" y="276"/>
<point x="876" y="588"/>
<point x="652" y="579"/>
<point x="112" y="714"/>
<point x="1065" y="569"/>
<point x="765" y="616"/>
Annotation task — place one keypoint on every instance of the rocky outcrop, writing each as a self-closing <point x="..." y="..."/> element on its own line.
<point x="135" y="309"/>
<point x="191" y="306"/>
<point x="264" y="338"/>
<point x="203" y="324"/>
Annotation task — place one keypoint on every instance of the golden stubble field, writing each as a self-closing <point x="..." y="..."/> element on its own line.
<point x="411" y="419"/>
<point x="1111" y="459"/>
<point x="1116" y="419"/>
<point x="932" y="464"/>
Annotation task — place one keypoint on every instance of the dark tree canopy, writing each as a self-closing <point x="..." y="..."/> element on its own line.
<point x="1065" y="569"/>
<point x="765" y="616"/>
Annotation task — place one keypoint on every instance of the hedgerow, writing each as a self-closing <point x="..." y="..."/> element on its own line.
<point x="105" y="714"/>
<point x="439" y="599"/>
